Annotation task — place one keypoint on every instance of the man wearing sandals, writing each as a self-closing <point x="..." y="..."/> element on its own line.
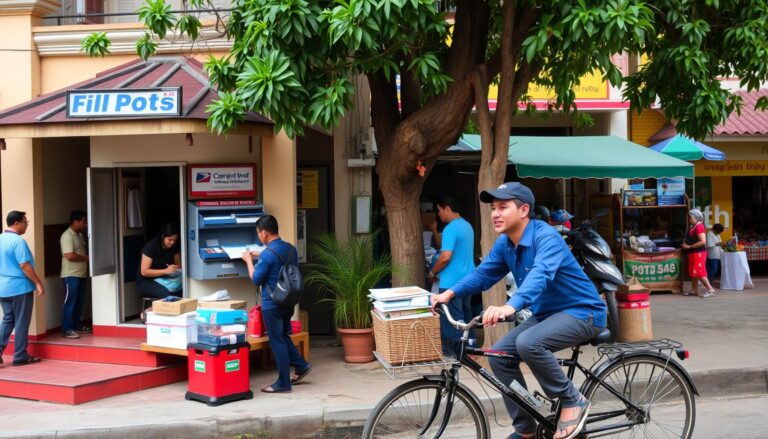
<point x="277" y="318"/>
<point x="567" y="309"/>
<point x="18" y="283"/>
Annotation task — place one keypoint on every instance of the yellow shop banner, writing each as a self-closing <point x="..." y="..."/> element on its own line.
<point x="591" y="86"/>
<point x="731" y="168"/>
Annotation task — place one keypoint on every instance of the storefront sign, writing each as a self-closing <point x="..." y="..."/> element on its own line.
<point x="222" y="181"/>
<point x="164" y="101"/>
<point x="671" y="191"/>
<point x="656" y="271"/>
<point x="644" y="197"/>
<point x="307" y="189"/>
<point x="733" y="168"/>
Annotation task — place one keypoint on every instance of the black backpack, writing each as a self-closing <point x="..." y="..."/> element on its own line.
<point x="289" y="286"/>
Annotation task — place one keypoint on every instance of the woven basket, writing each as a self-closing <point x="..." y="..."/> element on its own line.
<point x="408" y="340"/>
<point x="635" y="321"/>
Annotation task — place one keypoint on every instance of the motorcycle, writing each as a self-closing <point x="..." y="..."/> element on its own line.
<point x="594" y="255"/>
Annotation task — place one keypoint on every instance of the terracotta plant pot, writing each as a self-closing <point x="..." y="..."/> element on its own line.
<point x="358" y="345"/>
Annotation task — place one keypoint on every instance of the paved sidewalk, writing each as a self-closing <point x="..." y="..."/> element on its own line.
<point x="726" y="336"/>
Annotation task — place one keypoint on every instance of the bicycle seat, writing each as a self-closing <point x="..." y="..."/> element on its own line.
<point x="603" y="337"/>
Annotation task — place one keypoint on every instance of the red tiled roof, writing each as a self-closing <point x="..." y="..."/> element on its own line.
<point x="155" y="72"/>
<point x="751" y="122"/>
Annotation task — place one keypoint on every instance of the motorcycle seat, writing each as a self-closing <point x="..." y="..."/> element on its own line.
<point x="603" y="337"/>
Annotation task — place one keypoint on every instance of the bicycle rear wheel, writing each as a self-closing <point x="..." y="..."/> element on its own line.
<point x="657" y="386"/>
<point x="406" y="411"/>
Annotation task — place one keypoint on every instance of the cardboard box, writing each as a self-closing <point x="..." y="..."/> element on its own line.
<point x="223" y="304"/>
<point x="632" y="291"/>
<point x="171" y="331"/>
<point x="176" y="308"/>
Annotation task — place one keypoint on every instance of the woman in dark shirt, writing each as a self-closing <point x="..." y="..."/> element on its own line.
<point x="159" y="269"/>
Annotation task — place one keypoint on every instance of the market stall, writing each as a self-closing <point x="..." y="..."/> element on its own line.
<point x="649" y="229"/>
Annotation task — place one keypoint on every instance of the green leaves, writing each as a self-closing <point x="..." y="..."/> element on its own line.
<point x="292" y="60"/>
<point x="145" y="47"/>
<point x="96" y="44"/>
<point x="221" y="73"/>
<point x="346" y="270"/>
<point x="269" y="84"/>
<point x="189" y="25"/>
<point x="330" y="103"/>
<point x="156" y="15"/>
<point x="225" y="112"/>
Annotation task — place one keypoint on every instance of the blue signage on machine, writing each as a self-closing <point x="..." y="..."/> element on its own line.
<point x="149" y="102"/>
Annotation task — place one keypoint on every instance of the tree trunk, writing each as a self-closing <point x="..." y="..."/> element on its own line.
<point x="493" y="159"/>
<point x="401" y="186"/>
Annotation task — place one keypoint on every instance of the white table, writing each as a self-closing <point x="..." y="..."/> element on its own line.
<point x="735" y="271"/>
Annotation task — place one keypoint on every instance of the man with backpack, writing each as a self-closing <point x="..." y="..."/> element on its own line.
<point x="275" y="272"/>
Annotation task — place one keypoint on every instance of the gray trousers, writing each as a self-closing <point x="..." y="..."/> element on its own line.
<point x="17" y="313"/>
<point x="535" y="343"/>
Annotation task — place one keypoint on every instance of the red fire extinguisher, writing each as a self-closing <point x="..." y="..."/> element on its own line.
<point x="255" y="322"/>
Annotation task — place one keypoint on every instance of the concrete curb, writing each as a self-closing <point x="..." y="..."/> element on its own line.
<point x="347" y="422"/>
<point x="731" y="382"/>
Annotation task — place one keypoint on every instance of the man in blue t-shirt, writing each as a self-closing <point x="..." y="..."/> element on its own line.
<point x="277" y="318"/>
<point x="567" y="309"/>
<point x="455" y="260"/>
<point x="18" y="283"/>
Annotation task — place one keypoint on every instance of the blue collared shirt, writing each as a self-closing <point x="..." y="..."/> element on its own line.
<point x="266" y="273"/>
<point x="548" y="278"/>
<point x="14" y="251"/>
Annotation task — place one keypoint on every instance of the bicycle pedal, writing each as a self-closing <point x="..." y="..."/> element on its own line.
<point x="545" y="400"/>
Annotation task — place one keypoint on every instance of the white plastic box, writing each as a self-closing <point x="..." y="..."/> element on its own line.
<point x="171" y="331"/>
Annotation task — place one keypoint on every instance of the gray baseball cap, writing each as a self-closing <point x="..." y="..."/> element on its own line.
<point x="509" y="191"/>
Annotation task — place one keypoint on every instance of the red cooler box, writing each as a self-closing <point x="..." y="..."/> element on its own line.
<point x="218" y="374"/>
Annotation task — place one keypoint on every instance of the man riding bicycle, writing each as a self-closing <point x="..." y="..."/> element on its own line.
<point x="567" y="309"/>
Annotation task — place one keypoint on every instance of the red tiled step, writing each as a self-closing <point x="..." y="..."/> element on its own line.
<point x="96" y="349"/>
<point x="70" y="382"/>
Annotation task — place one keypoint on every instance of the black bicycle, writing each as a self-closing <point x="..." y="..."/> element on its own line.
<point x="636" y="390"/>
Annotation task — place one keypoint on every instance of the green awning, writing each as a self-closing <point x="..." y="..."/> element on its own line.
<point x="583" y="157"/>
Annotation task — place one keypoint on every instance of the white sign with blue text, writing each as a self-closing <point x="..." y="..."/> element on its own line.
<point x="164" y="101"/>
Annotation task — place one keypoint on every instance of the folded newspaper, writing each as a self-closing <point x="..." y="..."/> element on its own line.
<point x="216" y="296"/>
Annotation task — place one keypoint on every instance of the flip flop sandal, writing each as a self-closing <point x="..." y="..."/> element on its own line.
<point x="299" y="377"/>
<point x="29" y="360"/>
<point x="578" y="423"/>
<point x="270" y="389"/>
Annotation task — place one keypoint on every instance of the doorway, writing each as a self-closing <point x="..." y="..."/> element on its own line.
<point x="314" y="217"/>
<point x="148" y="198"/>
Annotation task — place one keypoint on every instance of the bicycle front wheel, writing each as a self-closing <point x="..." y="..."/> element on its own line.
<point x="416" y="409"/>
<point x="656" y="385"/>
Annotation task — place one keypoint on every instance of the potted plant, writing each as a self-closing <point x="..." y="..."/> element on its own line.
<point x="347" y="270"/>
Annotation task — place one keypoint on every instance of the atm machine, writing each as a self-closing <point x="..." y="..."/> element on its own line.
<point x="219" y="232"/>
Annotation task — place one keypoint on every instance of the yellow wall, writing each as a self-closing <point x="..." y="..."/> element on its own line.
<point x="644" y="125"/>
<point x="58" y="72"/>
<point x="21" y="162"/>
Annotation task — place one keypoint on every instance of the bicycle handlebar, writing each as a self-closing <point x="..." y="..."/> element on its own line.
<point x="459" y="324"/>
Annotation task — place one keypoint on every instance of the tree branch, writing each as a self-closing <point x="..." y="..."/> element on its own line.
<point x="504" y="103"/>
<point x="470" y="38"/>
<point x="410" y="92"/>
<point x="480" y="86"/>
<point x="385" y="114"/>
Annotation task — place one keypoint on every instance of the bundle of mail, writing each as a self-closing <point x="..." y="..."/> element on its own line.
<point x="400" y="303"/>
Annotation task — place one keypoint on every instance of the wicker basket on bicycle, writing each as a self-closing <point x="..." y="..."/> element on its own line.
<point x="409" y="340"/>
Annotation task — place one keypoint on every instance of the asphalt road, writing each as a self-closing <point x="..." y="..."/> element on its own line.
<point x="719" y="418"/>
